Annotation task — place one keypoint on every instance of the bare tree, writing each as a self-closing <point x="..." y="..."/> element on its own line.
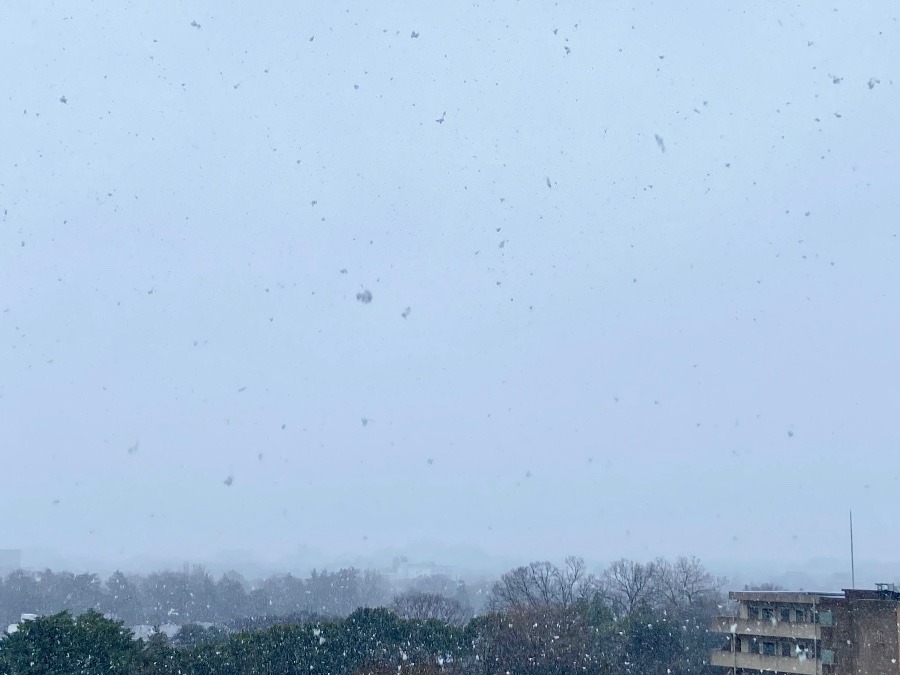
<point x="543" y="576"/>
<point x="575" y="583"/>
<point x="686" y="582"/>
<point x="542" y="584"/>
<point x="516" y="588"/>
<point x="434" y="583"/>
<point x="691" y="596"/>
<point x="629" y="584"/>
<point x="418" y="605"/>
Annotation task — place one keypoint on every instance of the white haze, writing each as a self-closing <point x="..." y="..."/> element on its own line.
<point x="635" y="295"/>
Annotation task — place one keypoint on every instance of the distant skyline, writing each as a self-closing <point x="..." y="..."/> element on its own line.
<point x="614" y="281"/>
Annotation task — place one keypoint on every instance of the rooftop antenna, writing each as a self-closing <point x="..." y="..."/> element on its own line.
<point x="852" y="561"/>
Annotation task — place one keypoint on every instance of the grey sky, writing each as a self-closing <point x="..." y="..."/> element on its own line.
<point x="669" y="349"/>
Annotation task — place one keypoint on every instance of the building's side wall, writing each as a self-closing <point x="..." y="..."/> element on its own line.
<point x="865" y="638"/>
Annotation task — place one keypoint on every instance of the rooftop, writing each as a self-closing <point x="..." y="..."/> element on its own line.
<point x="782" y="596"/>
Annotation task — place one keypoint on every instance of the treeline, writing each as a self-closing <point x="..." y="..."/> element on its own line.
<point x="193" y="595"/>
<point x="632" y="618"/>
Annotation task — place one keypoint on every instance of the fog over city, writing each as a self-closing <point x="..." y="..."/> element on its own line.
<point x="286" y="285"/>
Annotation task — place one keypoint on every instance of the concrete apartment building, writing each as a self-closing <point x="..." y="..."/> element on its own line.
<point x="856" y="632"/>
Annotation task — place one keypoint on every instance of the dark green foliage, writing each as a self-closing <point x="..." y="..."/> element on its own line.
<point x="61" y="644"/>
<point x="652" y="641"/>
<point x="157" y="657"/>
<point x="583" y="638"/>
<point x="648" y="620"/>
<point x="372" y="637"/>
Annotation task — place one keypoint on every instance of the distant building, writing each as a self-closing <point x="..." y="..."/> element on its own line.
<point x="854" y="632"/>
<point x="10" y="560"/>
<point x="146" y="631"/>
<point x="14" y="627"/>
<point x="402" y="570"/>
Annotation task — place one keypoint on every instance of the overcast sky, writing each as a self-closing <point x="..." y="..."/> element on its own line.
<point x="633" y="271"/>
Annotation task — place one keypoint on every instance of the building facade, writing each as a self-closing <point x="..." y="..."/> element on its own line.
<point x="856" y="632"/>
<point x="10" y="560"/>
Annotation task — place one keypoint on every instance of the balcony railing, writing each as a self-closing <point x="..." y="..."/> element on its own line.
<point x="765" y="628"/>
<point x="749" y="660"/>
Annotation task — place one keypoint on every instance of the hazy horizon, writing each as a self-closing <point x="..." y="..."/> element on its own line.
<point x="823" y="573"/>
<point x="526" y="281"/>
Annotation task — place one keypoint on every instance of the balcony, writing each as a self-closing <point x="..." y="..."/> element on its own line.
<point x="781" y="664"/>
<point x="765" y="628"/>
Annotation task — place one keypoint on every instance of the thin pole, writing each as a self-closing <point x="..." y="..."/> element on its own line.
<point x="817" y="636"/>
<point x="852" y="561"/>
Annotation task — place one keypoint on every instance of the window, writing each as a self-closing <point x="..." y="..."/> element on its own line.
<point x="768" y="613"/>
<point x="768" y="648"/>
<point x="754" y="646"/>
<point x="800" y="616"/>
<point x="785" y="648"/>
<point x="753" y="612"/>
<point x="785" y="613"/>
